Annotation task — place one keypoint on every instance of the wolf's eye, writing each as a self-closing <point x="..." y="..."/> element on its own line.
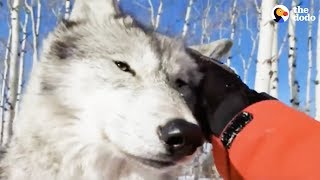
<point x="180" y="83"/>
<point x="124" y="67"/>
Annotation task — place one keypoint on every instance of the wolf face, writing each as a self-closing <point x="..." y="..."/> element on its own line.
<point x="110" y="98"/>
<point x="125" y="84"/>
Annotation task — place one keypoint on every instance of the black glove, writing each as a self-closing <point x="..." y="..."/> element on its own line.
<point x="221" y="95"/>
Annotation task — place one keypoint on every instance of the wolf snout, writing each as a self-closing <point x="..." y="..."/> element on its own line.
<point x="180" y="137"/>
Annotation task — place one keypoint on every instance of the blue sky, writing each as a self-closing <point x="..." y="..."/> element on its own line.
<point x="171" y="23"/>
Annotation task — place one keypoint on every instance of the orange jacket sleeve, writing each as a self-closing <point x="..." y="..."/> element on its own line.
<point x="278" y="143"/>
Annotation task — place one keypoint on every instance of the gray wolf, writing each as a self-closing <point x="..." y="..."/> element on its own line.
<point x="109" y="100"/>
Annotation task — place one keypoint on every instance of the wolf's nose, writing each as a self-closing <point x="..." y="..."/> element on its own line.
<point x="180" y="137"/>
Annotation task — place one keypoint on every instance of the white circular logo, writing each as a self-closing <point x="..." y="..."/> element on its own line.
<point x="280" y="13"/>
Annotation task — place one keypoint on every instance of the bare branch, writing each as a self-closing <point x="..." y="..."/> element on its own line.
<point x="284" y="40"/>
<point x="204" y="36"/>
<point x="141" y="5"/>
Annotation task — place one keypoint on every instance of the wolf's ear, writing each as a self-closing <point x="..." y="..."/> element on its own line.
<point x="97" y="9"/>
<point x="216" y="49"/>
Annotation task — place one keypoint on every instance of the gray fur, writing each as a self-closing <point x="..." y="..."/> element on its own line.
<point x="83" y="118"/>
<point x="216" y="49"/>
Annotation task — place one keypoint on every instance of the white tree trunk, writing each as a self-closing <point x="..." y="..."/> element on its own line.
<point x="308" y="88"/>
<point x="317" y="81"/>
<point x="187" y="19"/>
<point x="233" y="27"/>
<point x="21" y="61"/>
<point x="159" y="13"/>
<point x="37" y="31"/>
<point x="67" y="7"/>
<point x="293" y="83"/>
<point x="35" y="21"/>
<point x="205" y="37"/>
<point x="4" y="83"/>
<point x="13" y="73"/>
<point x="155" y="20"/>
<point x="151" y="9"/>
<point x="220" y="30"/>
<point x="274" y="65"/>
<point x="262" y="79"/>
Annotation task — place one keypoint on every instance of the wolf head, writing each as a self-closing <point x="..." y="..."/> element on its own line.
<point x="121" y="86"/>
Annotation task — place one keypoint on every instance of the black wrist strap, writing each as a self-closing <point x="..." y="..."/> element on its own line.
<point x="234" y="127"/>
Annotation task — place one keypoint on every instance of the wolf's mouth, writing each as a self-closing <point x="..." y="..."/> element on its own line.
<point x="156" y="163"/>
<point x="153" y="163"/>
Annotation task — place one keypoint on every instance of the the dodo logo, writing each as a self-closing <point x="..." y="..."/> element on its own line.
<point x="280" y="13"/>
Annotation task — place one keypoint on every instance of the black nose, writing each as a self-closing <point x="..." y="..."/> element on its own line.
<point x="180" y="137"/>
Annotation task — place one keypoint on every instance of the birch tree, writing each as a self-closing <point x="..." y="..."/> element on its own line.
<point x="274" y="64"/>
<point x="233" y="27"/>
<point x="263" y="67"/>
<point x="317" y="81"/>
<point x="152" y="19"/>
<point x="308" y="93"/>
<point x="68" y="9"/>
<point x="35" y="22"/>
<point x="187" y="19"/>
<point x="13" y="72"/>
<point x="21" y="60"/>
<point x="159" y="13"/>
<point x="292" y="40"/>
<point x="155" y="20"/>
<point x="4" y="82"/>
